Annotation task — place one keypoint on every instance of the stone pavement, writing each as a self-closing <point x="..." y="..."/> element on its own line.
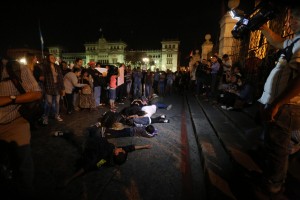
<point x="203" y="153"/>
<point x="171" y="169"/>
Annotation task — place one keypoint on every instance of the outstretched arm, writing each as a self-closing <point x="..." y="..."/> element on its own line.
<point x="147" y="146"/>
<point x="74" y="176"/>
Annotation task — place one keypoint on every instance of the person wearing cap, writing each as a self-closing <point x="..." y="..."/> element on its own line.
<point x="98" y="153"/>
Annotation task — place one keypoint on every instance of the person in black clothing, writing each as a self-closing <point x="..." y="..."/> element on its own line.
<point x="64" y="68"/>
<point x="98" y="152"/>
<point x="144" y="131"/>
<point x="98" y="79"/>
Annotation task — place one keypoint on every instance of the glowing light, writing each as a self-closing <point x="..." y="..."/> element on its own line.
<point x="146" y="60"/>
<point x="236" y="14"/>
<point x="23" y="61"/>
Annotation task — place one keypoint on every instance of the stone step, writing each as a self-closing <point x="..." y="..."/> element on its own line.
<point x="225" y="139"/>
<point x="232" y="136"/>
<point x="215" y="160"/>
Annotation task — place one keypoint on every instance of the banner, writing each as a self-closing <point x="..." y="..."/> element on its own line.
<point x="121" y="75"/>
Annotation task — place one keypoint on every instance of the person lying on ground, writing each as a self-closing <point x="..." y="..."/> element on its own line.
<point x="153" y="100"/>
<point x="145" y="131"/>
<point x="144" y="120"/>
<point x="98" y="152"/>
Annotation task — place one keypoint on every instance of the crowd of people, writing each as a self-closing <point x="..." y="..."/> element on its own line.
<point x="88" y="87"/>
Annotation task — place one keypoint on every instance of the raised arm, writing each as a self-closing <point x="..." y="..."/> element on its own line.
<point x="273" y="38"/>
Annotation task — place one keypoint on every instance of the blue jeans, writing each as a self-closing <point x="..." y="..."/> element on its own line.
<point x="147" y="90"/>
<point x="97" y="95"/>
<point x="137" y="91"/>
<point x="277" y="142"/>
<point x="160" y="105"/>
<point x="52" y="102"/>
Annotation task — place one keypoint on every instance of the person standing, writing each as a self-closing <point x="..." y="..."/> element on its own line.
<point x="54" y="88"/>
<point x="97" y="76"/>
<point x="283" y="113"/>
<point x="155" y="81"/>
<point x="114" y="73"/>
<point x="36" y="70"/>
<point x="70" y="82"/>
<point x="137" y="82"/>
<point x="15" y="130"/>
<point x="215" y="67"/>
<point x="128" y="79"/>
<point x="78" y="64"/>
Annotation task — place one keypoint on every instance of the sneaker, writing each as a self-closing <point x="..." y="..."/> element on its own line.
<point x="58" y="133"/>
<point x="163" y="116"/>
<point x="166" y="121"/>
<point x="224" y="107"/>
<point x="230" y="108"/>
<point x="98" y="124"/>
<point x="169" y="107"/>
<point x="58" y="118"/>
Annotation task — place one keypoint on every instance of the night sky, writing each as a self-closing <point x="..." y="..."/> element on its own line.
<point x="141" y="25"/>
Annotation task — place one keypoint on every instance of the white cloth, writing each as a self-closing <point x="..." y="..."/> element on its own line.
<point x="280" y="74"/>
<point x="276" y="82"/>
<point x="150" y="110"/>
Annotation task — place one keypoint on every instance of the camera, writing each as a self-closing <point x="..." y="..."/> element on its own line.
<point x="262" y="13"/>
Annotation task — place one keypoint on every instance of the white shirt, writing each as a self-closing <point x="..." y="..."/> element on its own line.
<point x="279" y="76"/>
<point x="150" y="110"/>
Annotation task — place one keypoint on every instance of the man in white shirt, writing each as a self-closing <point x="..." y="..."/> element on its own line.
<point x="283" y="112"/>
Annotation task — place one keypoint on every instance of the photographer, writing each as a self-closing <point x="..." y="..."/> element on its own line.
<point x="283" y="109"/>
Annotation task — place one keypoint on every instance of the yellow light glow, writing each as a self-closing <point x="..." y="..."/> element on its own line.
<point x="23" y="61"/>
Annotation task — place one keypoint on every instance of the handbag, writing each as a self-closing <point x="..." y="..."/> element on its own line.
<point x="31" y="110"/>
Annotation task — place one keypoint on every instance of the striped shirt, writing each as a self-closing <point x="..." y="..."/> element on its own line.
<point x="10" y="112"/>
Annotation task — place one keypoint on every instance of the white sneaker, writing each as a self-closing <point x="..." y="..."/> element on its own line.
<point x="230" y="108"/>
<point x="224" y="107"/>
<point x="169" y="107"/>
<point x="163" y="116"/>
<point x="58" y="133"/>
<point x="58" y="118"/>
